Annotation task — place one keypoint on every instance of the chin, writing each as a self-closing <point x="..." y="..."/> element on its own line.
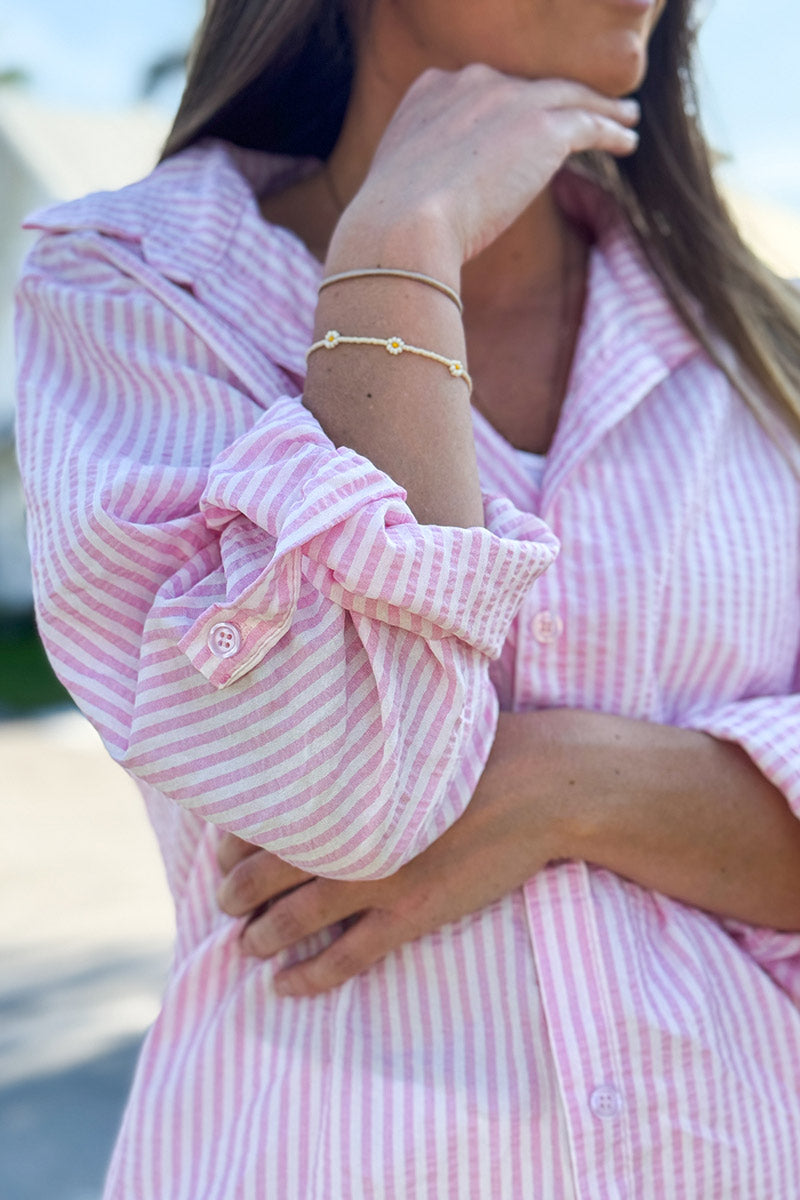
<point x="619" y="73"/>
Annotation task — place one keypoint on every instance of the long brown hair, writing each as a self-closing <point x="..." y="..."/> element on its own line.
<point x="275" y="75"/>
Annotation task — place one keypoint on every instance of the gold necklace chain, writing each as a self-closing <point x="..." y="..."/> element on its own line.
<point x="567" y="310"/>
<point x="338" y="204"/>
<point x="570" y="311"/>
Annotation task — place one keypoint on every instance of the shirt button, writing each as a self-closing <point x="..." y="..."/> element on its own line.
<point x="605" y="1102"/>
<point x="547" y="627"/>
<point x="224" y="639"/>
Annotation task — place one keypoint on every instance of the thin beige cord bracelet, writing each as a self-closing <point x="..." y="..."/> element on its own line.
<point x="417" y="276"/>
<point x="394" y="345"/>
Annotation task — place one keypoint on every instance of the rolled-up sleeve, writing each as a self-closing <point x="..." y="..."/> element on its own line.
<point x="333" y="520"/>
<point x="250" y="615"/>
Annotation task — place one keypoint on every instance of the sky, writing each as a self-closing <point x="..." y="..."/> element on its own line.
<point x="94" y="52"/>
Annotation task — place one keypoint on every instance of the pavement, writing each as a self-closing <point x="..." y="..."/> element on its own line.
<point x="85" y="934"/>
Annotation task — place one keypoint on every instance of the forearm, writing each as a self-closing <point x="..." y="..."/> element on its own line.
<point x="405" y="413"/>
<point x="674" y="810"/>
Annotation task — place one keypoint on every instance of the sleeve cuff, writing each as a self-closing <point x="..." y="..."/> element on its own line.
<point x="294" y="510"/>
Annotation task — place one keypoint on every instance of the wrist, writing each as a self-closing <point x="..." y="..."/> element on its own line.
<point x="528" y="757"/>
<point x="421" y="240"/>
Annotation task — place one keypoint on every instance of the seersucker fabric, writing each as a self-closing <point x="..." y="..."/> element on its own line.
<point x="269" y="643"/>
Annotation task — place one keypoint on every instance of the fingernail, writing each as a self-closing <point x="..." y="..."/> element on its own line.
<point x="631" y="107"/>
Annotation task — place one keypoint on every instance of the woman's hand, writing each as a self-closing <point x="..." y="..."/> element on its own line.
<point x="464" y="154"/>
<point x="503" y="838"/>
<point x="472" y="149"/>
<point x="674" y="810"/>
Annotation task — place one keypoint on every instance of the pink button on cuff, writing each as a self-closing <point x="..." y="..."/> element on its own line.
<point x="224" y="639"/>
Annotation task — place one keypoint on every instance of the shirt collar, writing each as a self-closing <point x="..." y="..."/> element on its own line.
<point x="194" y="212"/>
<point x="209" y="188"/>
<point x="191" y="220"/>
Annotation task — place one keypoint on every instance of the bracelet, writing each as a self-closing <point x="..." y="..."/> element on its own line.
<point x="416" y="275"/>
<point x="394" y="345"/>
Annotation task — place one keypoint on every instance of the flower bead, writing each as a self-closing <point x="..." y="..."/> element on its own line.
<point x="332" y="338"/>
<point x="456" y="368"/>
<point x="395" y="345"/>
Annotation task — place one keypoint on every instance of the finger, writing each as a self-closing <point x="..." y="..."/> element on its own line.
<point x="359" y="947"/>
<point x="307" y="910"/>
<point x="566" y="93"/>
<point x="231" y="850"/>
<point x="591" y="131"/>
<point x="254" y="880"/>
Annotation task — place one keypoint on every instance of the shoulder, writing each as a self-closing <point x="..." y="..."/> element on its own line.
<point x="186" y="215"/>
<point x="189" y="238"/>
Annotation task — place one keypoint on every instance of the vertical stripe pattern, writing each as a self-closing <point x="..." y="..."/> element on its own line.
<point x="269" y="643"/>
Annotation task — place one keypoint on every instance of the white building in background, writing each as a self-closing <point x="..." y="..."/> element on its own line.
<point x="49" y="154"/>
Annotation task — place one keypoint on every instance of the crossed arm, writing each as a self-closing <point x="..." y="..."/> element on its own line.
<point x="674" y="810"/>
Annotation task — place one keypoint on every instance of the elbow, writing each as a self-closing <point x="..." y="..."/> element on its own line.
<point x="351" y="815"/>
<point x="351" y="788"/>
<point x="374" y="815"/>
<point x="362" y="824"/>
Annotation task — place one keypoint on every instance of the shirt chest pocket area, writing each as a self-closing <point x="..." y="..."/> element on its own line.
<point x="731" y="619"/>
<point x="661" y="603"/>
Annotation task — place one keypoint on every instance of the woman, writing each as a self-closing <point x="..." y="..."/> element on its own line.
<point x="550" y="952"/>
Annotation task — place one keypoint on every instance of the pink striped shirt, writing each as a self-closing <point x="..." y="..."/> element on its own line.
<point x="269" y="643"/>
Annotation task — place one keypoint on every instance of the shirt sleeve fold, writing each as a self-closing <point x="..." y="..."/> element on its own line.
<point x="333" y="519"/>
<point x="250" y="616"/>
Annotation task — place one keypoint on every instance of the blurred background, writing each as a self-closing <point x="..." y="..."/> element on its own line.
<point x="86" y="94"/>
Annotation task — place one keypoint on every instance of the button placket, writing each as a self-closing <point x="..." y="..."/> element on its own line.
<point x="546" y="627"/>
<point x="606" y="1102"/>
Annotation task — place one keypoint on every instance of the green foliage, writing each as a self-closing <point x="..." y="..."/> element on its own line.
<point x="14" y="77"/>
<point x="27" y="682"/>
